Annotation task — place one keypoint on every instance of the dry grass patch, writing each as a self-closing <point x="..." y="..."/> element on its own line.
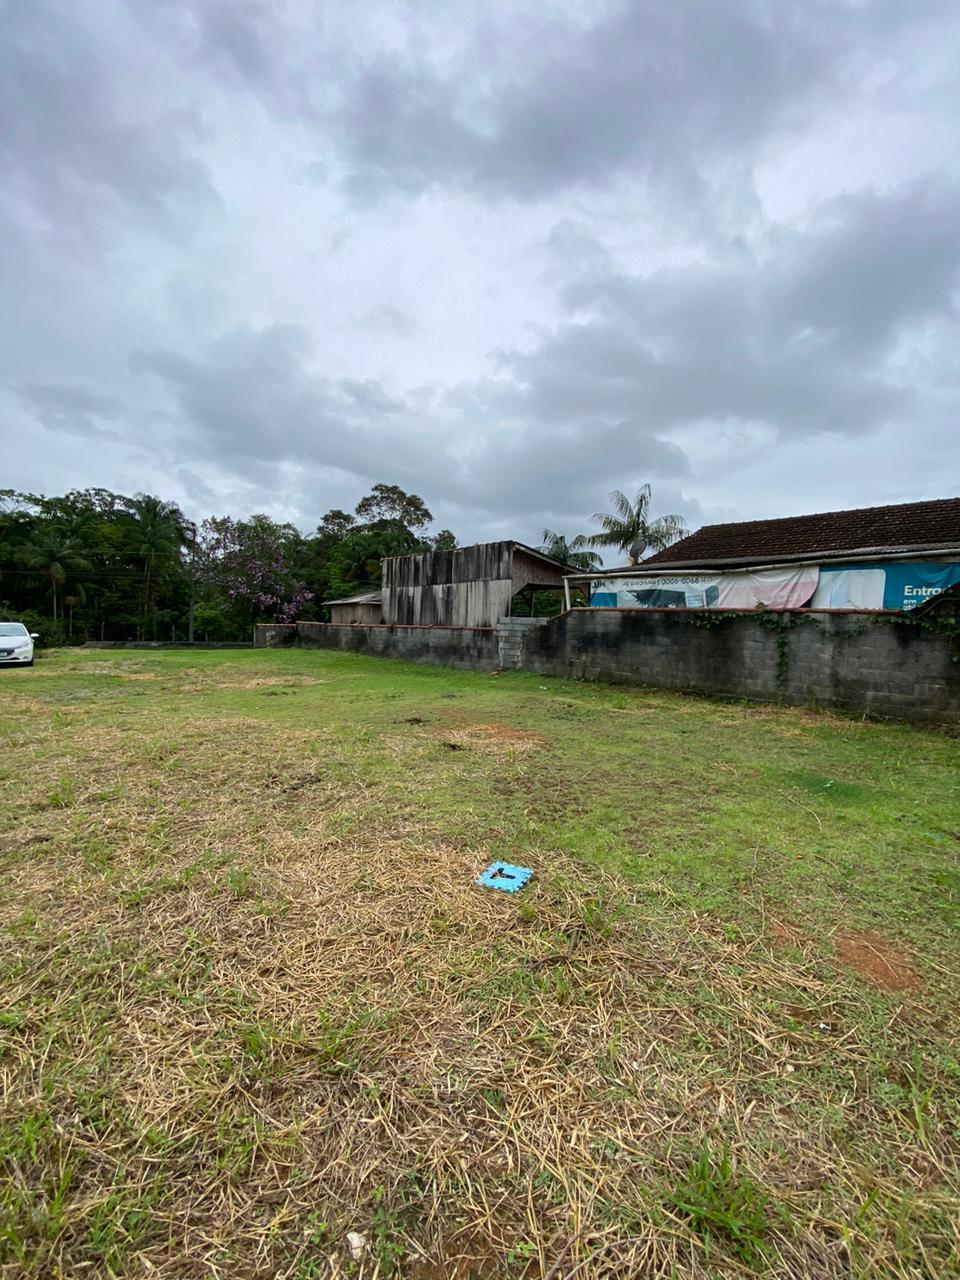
<point x="495" y="739"/>
<point x="267" y="682"/>
<point x="254" y="1001"/>
<point x="453" y="1074"/>
<point x="200" y="680"/>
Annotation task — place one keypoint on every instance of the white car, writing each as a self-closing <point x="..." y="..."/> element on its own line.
<point x="16" y="645"/>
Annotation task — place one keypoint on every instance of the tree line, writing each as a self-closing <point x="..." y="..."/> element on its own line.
<point x="96" y="565"/>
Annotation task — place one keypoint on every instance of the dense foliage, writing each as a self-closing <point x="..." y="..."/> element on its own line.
<point x="96" y="565"/>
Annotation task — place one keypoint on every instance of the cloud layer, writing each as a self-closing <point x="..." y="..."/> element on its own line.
<point x="257" y="260"/>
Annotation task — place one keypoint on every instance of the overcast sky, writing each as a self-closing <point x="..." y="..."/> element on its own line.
<point x="261" y="254"/>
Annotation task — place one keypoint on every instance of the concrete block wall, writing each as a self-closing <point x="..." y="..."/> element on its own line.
<point x="875" y="666"/>
<point x="510" y="633"/>
<point x="862" y="663"/>
<point x="274" y="635"/>
<point x="654" y="647"/>
<point x="168" y="644"/>
<point x="482" y="648"/>
<point x="475" y="648"/>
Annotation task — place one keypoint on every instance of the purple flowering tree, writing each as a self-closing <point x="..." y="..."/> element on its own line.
<point x="250" y="567"/>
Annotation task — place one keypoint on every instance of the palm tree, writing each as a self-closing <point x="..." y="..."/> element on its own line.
<point x="628" y="526"/>
<point x="55" y="555"/>
<point x="77" y="596"/>
<point x="155" y="535"/>
<point x="556" y="546"/>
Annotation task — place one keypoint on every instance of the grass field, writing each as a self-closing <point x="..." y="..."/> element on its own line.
<point x="252" y="999"/>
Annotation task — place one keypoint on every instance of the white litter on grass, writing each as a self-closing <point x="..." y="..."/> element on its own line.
<point x="357" y="1244"/>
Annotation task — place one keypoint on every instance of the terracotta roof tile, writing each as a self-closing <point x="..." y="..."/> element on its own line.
<point x="908" y="526"/>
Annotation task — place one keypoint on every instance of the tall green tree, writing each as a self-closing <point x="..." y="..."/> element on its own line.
<point x="250" y="571"/>
<point x="355" y="562"/>
<point x="57" y="557"/>
<point x="629" y="527"/>
<point x="318" y="552"/>
<point x="156" y="532"/>
<point x="390" y="502"/>
<point x="76" y="595"/>
<point x="111" y="566"/>
<point x="17" y="523"/>
<point x="576" y="552"/>
<point x="335" y="524"/>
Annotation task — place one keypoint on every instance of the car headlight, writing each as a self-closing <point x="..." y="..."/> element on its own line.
<point x="23" y="644"/>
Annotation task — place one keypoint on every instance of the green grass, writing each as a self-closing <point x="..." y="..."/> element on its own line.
<point x="720" y="1205"/>
<point x="251" y="1000"/>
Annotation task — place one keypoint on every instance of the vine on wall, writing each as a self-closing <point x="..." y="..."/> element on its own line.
<point x="779" y="623"/>
<point x="932" y="623"/>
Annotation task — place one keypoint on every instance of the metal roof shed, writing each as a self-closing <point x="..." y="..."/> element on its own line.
<point x="467" y="587"/>
<point x="365" y="610"/>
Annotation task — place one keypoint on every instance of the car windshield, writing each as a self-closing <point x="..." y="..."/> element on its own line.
<point x="12" y="629"/>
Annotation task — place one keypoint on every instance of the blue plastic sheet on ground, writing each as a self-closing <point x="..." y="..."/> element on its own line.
<point x="505" y="876"/>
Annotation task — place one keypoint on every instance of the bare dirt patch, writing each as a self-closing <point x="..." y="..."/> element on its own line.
<point x="866" y="952"/>
<point x="468" y="1258"/>
<point x="878" y="960"/>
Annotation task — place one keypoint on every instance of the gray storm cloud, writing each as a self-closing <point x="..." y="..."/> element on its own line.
<point x="505" y="259"/>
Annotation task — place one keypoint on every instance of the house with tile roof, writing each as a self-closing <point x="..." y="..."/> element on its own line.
<point x="892" y="558"/>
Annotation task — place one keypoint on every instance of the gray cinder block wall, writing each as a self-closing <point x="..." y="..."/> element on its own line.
<point x="861" y="663"/>
<point x="475" y="648"/>
<point x="857" y="662"/>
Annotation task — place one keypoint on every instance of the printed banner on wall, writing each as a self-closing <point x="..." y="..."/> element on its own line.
<point x="687" y="591"/>
<point x="776" y="588"/>
<point x="891" y="586"/>
<point x="842" y="586"/>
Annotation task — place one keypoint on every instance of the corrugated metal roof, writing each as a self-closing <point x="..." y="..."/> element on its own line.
<point x="477" y="546"/>
<point x="371" y="597"/>
<point x="541" y="555"/>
